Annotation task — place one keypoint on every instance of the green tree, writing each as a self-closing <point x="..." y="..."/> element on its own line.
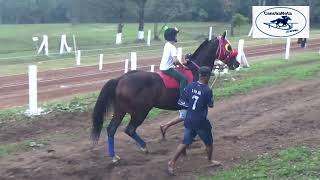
<point x="1" y="11"/>
<point x="238" y="20"/>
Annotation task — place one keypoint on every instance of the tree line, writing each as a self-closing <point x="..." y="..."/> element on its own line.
<point x="115" y="11"/>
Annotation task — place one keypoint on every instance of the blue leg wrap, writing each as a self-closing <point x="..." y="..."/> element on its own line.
<point x="111" y="146"/>
<point x="139" y="140"/>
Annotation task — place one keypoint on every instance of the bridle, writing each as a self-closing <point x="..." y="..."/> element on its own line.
<point x="222" y="54"/>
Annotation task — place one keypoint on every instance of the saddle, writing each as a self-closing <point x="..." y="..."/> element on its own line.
<point x="171" y="83"/>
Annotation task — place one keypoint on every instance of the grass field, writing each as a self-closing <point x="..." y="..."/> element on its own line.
<point x="292" y="163"/>
<point x="17" y="50"/>
<point x="90" y="36"/>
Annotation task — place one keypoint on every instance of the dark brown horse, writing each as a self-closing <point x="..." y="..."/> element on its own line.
<point x="137" y="92"/>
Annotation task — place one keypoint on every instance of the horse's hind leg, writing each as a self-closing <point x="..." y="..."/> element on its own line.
<point x="111" y="129"/>
<point x="136" y="120"/>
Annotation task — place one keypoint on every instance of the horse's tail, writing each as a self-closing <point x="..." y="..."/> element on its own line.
<point x="104" y="101"/>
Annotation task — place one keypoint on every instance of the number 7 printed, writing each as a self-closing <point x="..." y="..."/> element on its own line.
<point x="196" y="98"/>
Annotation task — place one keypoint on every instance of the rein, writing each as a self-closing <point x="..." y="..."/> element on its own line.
<point x="220" y="54"/>
<point x="195" y="64"/>
<point x="215" y="80"/>
<point x="219" y="49"/>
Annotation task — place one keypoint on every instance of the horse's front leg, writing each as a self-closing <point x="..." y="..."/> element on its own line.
<point x="136" y="120"/>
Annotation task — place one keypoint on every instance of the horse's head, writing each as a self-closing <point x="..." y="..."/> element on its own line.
<point x="217" y="48"/>
<point x="226" y="54"/>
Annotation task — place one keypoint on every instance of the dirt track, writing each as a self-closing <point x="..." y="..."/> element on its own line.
<point x="60" y="83"/>
<point x="260" y="122"/>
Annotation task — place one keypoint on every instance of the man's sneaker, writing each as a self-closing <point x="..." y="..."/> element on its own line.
<point x="182" y="103"/>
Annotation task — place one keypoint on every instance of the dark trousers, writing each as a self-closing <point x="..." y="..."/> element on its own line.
<point x="179" y="77"/>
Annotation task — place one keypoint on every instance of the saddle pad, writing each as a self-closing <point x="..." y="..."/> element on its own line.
<point x="170" y="82"/>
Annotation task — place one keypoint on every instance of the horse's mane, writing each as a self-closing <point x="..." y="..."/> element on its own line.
<point x="202" y="45"/>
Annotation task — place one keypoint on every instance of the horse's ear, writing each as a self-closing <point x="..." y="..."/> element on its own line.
<point x="224" y="35"/>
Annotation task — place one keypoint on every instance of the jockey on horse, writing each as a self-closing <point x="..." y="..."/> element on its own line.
<point x="169" y="61"/>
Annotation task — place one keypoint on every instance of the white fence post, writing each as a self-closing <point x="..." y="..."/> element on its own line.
<point x="74" y="44"/>
<point x="152" y="68"/>
<point x="64" y="44"/>
<point x="240" y="50"/>
<point x="210" y="33"/>
<point x="33" y="88"/>
<point x="241" y="58"/>
<point x="149" y="38"/>
<point x="100" y="62"/>
<point x="251" y="31"/>
<point x="44" y="45"/>
<point x="78" y="58"/>
<point x="133" y="61"/>
<point x="179" y="54"/>
<point x="126" y="65"/>
<point x="287" y="55"/>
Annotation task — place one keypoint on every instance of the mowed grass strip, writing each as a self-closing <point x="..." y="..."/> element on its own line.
<point x="292" y="163"/>
<point x="267" y="72"/>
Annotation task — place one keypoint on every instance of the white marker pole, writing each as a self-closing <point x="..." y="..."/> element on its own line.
<point x="241" y="58"/>
<point x="133" y="61"/>
<point x="126" y="65"/>
<point x="240" y="50"/>
<point x="46" y="50"/>
<point x="74" y="44"/>
<point x="62" y="43"/>
<point x="33" y="94"/>
<point x="251" y="31"/>
<point x="149" y="38"/>
<point x="210" y="33"/>
<point x="152" y="68"/>
<point x="44" y="44"/>
<point x="287" y="55"/>
<point x="78" y="58"/>
<point x="179" y="54"/>
<point x="100" y="62"/>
